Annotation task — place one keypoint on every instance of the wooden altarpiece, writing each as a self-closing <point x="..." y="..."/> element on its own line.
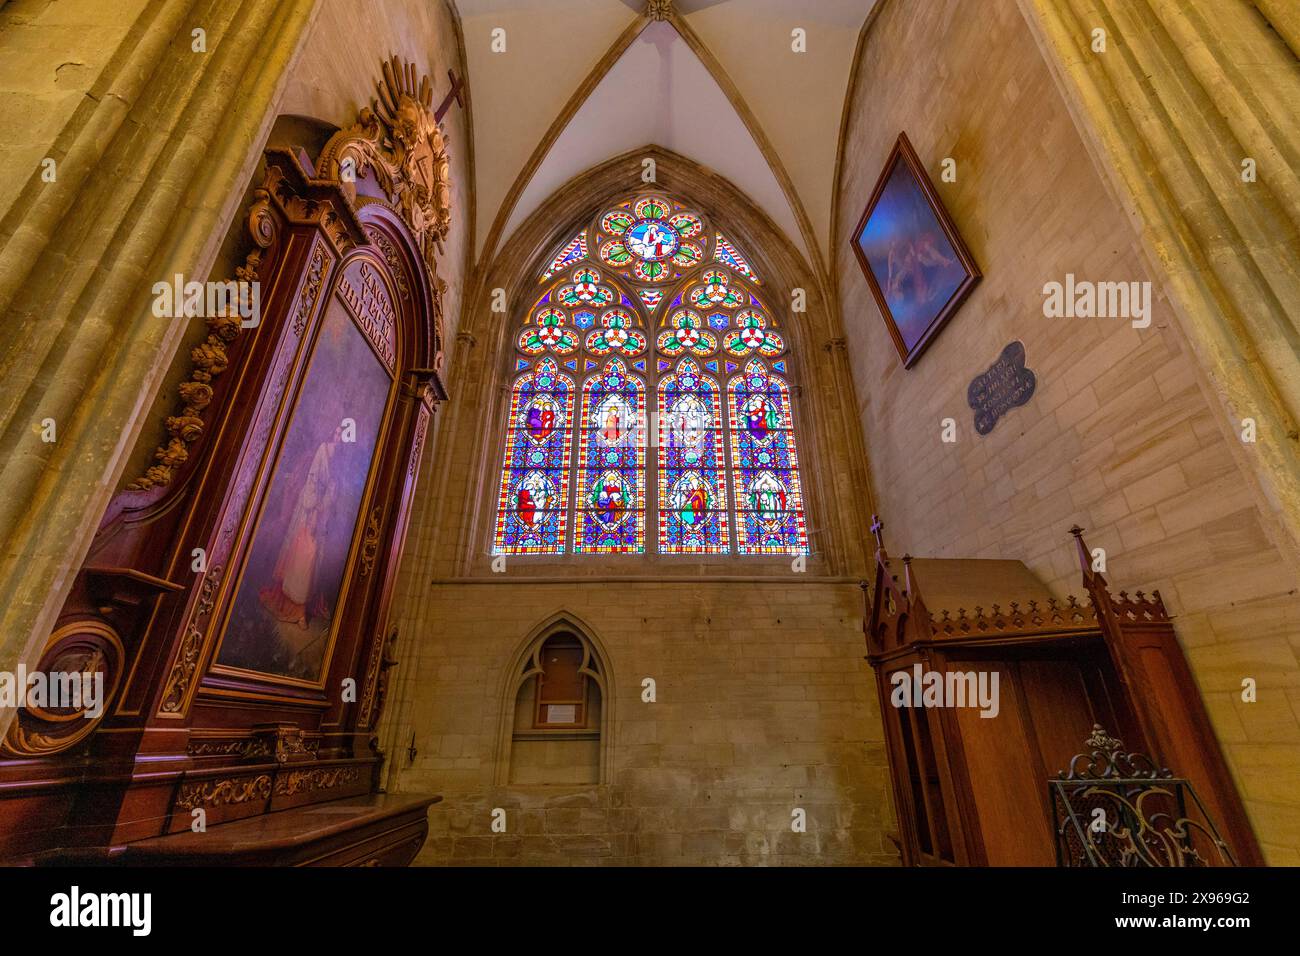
<point x="344" y="251"/>
<point x="975" y="791"/>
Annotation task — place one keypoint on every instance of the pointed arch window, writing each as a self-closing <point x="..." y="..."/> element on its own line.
<point x="649" y="308"/>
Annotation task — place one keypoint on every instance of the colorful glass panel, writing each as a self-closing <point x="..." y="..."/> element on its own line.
<point x="752" y="335"/>
<point x="615" y="254"/>
<point x="611" y="464"/>
<point x="686" y="225"/>
<point x="726" y="253"/>
<point x="616" y="334"/>
<point x="687" y="334"/>
<point x="532" y="505"/>
<point x="651" y="240"/>
<point x="579" y="460"/>
<point x="765" y="465"/>
<point x="574" y="251"/>
<point x="548" y="333"/>
<point x="651" y="297"/>
<point x="651" y="209"/>
<point x="692" y="475"/>
<point x="615" y="223"/>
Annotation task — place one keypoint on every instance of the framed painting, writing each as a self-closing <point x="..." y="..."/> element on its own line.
<point x="918" y="268"/>
<point x="285" y="610"/>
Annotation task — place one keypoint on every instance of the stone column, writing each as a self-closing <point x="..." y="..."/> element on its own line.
<point x="151" y="166"/>
<point x="1186" y="98"/>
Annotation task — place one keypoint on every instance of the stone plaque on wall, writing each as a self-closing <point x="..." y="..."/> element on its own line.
<point x="1006" y="385"/>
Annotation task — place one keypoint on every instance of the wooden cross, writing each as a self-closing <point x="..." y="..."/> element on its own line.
<point x="877" y="526"/>
<point x="453" y="94"/>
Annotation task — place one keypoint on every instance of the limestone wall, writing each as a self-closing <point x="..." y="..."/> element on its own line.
<point x="763" y="705"/>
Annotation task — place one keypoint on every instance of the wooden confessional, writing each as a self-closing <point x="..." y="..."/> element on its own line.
<point x="236" y="598"/>
<point x="1014" y="789"/>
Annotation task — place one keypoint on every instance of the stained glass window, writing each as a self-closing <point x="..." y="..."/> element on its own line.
<point x="611" y="463"/>
<point x="764" y="465"/>
<point x="532" y="510"/>
<point x="650" y="308"/>
<point x="692" y="476"/>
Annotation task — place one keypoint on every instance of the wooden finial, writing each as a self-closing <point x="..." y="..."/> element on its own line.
<point x="878" y="526"/>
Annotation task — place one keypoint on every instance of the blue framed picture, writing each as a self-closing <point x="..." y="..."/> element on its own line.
<point x="918" y="268"/>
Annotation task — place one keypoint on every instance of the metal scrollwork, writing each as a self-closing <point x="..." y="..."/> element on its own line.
<point x="1119" y="808"/>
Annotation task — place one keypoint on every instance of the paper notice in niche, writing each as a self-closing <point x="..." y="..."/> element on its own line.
<point x="561" y="713"/>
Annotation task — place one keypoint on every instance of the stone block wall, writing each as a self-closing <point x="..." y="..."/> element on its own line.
<point x="764" y="705"/>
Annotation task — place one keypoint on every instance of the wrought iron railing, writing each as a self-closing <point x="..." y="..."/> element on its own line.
<point x="1116" y="808"/>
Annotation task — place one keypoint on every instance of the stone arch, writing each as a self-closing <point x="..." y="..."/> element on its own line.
<point x="524" y="666"/>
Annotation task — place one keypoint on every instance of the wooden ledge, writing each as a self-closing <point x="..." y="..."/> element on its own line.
<point x="377" y="829"/>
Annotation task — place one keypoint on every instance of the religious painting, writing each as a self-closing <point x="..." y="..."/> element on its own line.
<point x="918" y="268"/>
<point x="282" y="618"/>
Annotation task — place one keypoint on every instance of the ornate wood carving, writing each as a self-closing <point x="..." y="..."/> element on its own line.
<point x="305" y="781"/>
<point x="398" y="138"/>
<point x="218" y="793"/>
<point x="209" y="360"/>
<point x="316" y="273"/>
<point x="417" y="449"/>
<point x="394" y="260"/>
<point x="1111" y="660"/>
<point x="187" y="657"/>
<point x="381" y="661"/>
<point x="370" y="544"/>
<point x="89" y="647"/>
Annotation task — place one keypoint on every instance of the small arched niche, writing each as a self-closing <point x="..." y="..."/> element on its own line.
<point x="559" y="712"/>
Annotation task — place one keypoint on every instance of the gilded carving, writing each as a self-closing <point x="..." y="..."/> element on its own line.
<point x="217" y="748"/>
<point x="305" y="781"/>
<point x="82" y="647"/>
<point x="316" y="272"/>
<point x="417" y="447"/>
<point x="281" y="743"/>
<point x="398" y="138"/>
<point x="394" y="260"/>
<point x="208" y="360"/>
<point x="187" y="658"/>
<point x="377" y="668"/>
<point x="370" y="544"/>
<point x="217" y="793"/>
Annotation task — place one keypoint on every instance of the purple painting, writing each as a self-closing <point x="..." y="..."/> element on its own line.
<point x="282" y="618"/>
<point x="913" y="259"/>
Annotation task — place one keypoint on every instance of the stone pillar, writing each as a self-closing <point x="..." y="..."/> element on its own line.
<point x="151" y="166"/>
<point x="1184" y="94"/>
